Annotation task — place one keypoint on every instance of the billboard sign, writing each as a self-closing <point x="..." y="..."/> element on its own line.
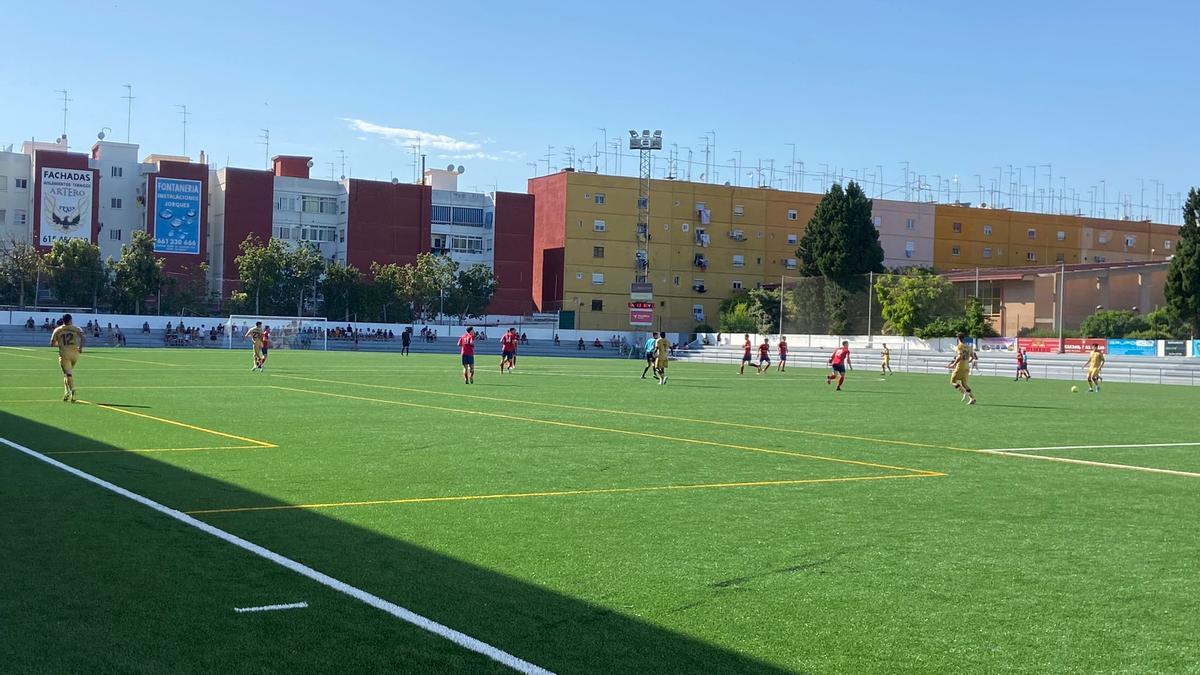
<point x="177" y="216"/>
<point x="66" y="205"/>
<point x="641" y="313"/>
<point x="641" y="291"/>
<point x="1130" y="347"/>
<point x="1195" y="347"/>
<point x="1038" y="345"/>
<point x="1084" y="345"/>
<point x="1174" y="347"/>
<point x="996" y="344"/>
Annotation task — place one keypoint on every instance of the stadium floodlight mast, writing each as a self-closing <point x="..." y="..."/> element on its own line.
<point x="644" y="143"/>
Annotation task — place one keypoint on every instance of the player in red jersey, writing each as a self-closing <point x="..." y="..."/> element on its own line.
<point x="466" y="348"/>
<point x="764" y="356"/>
<point x="266" y="346"/>
<point x="838" y="362"/>
<point x="746" y="346"/>
<point x="508" y="350"/>
<point x="782" y="353"/>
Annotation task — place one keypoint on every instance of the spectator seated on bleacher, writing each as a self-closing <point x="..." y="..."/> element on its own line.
<point x="145" y="328"/>
<point x="556" y="342"/>
<point x="582" y="346"/>
<point x="598" y="344"/>
<point x="46" y="325"/>
<point x="29" y="325"/>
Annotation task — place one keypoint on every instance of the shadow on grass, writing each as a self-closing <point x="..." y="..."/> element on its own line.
<point x="552" y="630"/>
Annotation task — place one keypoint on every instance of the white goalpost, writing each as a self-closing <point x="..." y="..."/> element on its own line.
<point x="287" y="332"/>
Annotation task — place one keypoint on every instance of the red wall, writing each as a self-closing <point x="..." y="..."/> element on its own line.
<point x="549" y="236"/>
<point x="180" y="264"/>
<point x="249" y="201"/>
<point x="387" y="223"/>
<point x="294" y="166"/>
<point x="513" y="252"/>
<point x="61" y="160"/>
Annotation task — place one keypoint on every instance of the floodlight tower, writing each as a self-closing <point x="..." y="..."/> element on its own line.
<point x="645" y="143"/>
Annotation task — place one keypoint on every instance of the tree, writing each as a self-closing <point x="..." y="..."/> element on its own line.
<point x="1113" y="323"/>
<point x="738" y="319"/>
<point x="431" y="277"/>
<point x="472" y="291"/>
<point x="186" y="290"/>
<point x="260" y="267"/>
<point x="764" y="307"/>
<point x="138" y="274"/>
<point x="20" y="267"/>
<point x="302" y="267"/>
<point x="342" y="289"/>
<point x="1183" y="275"/>
<point x="841" y="244"/>
<point x="393" y="287"/>
<point x="911" y="300"/>
<point x="77" y="274"/>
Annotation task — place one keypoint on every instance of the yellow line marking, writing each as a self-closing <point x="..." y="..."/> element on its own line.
<point x="627" y="432"/>
<point x="559" y="493"/>
<point x="606" y="411"/>
<point x="262" y="444"/>
<point x="146" y="450"/>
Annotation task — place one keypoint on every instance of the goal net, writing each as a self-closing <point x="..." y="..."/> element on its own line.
<point x="287" y="332"/>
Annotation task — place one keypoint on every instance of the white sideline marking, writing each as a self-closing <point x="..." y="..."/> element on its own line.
<point x="460" y="639"/>
<point x="271" y="608"/>
<point x="1085" y="462"/>
<point x="1096" y="447"/>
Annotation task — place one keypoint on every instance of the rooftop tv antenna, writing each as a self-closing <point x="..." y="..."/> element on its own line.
<point x="65" y="101"/>
<point x="183" y="112"/>
<point x="128" y="110"/>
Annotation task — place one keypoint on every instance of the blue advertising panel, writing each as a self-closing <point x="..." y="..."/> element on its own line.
<point x="177" y="216"/>
<point x="1195" y="347"/>
<point x="1129" y="347"/>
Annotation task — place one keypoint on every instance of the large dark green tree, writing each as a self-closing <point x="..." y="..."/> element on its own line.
<point x="138" y="274"/>
<point x="911" y="300"/>
<point x="77" y="274"/>
<point x="342" y="290"/>
<point x="302" y="268"/>
<point x="260" y="268"/>
<point x="842" y="246"/>
<point x="20" y="267"/>
<point x="1183" y="276"/>
<point x="472" y="291"/>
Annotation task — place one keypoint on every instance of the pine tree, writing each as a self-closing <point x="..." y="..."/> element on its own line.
<point x="1183" y="276"/>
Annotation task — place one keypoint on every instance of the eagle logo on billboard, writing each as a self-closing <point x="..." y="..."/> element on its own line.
<point x="66" y="222"/>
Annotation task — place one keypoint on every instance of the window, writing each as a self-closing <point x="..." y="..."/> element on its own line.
<point x="739" y="261"/>
<point x="698" y="312"/>
<point x="1031" y="256"/>
<point x="117" y="172"/>
<point x="3" y="216"/>
<point x="1103" y="238"/>
<point x="19" y="217"/>
<point x="877" y="221"/>
<point x="676" y="280"/>
<point x="3" y="183"/>
<point x="956" y="227"/>
<point x="597" y="305"/>
<point x="315" y="204"/>
<point x="598" y="198"/>
<point x="1061" y="257"/>
<point x="439" y="213"/>
<point x="739" y="210"/>
<point x="1101" y="258"/>
<point x="114" y="235"/>
<point x="318" y="234"/>
<point x="597" y="278"/>
<point x="910" y="224"/>
<point x="684" y="227"/>
<point x="285" y="203"/>
<point x="21" y="183"/>
<point x="1166" y="244"/>
<point x="115" y="202"/>
<point x="1031" y="233"/>
<point x="987" y="252"/>
<point x="466" y="244"/>
<point x="464" y="215"/>
<point x="597" y="251"/>
<point x="737" y="284"/>
<point x="987" y="230"/>
<point x="598" y="225"/>
<point x="791" y="239"/>
<point x="909" y="249"/>
<point x="1130" y="240"/>
<point x="791" y="263"/>
<point x="579" y="276"/>
<point x="954" y="250"/>
<point x="1062" y="236"/>
<point x="792" y="215"/>
<point x="439" y="243"/>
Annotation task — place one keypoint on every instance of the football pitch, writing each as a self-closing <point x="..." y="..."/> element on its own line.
<point x="373" y="513"/>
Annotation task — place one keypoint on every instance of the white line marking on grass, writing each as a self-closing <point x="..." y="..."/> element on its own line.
<point x="461" y="639"/>
<point x="1085" y="462"/>
<point x="1095" y="447"/>
<point x="271" y="608"/>
<point x="23" y="349"/>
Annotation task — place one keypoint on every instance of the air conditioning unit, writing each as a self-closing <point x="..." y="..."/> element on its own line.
<point x="737" y="235"/>
<point x="699" y="288"/>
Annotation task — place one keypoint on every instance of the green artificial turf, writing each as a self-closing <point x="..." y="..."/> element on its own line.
<point x="586" y="520"/>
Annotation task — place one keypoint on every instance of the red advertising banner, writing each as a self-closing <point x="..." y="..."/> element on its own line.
<point x="1038" y="345"/>
<point x="641" y="317"/>
<point x="1082" y="345"/>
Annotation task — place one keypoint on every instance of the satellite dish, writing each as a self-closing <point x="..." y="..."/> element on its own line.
<point x="100" y="135"/>
<point x="395" y="181"/>
<point x="310" y="164"/>
<point x="450" y="167"/>
<point x="461" y="169"/>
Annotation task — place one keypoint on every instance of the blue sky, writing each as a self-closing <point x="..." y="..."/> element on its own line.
<point x="1097" y="90"/>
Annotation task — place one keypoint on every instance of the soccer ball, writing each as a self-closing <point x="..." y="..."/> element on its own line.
<point x="1074" y="389"/>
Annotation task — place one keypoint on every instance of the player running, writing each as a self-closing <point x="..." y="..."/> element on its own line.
<point x="69" y="340"/>
<point x="255" y="335"/>
<point x="508" y="350"/>
<point x="266" y="345"/>
<point x="1022" y="365"/>
<point x="466" y="348"/>
<point x="960" y="368"/>
<point x="1095" y="363"/>
<point x="782" y="353"/>
<point x="838" y="362"/>
<point x="662" y="349"/>
<point x="651" y="344"/>
<point x="746" y="346"/>
<point x="764" y="356"/>
<point x="885" y="363"/>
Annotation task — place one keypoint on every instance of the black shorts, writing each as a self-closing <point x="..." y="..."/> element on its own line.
<point x="506" y="355"/>
<point x="766" y="361"/>
<point x="650" y="358"/>
<point x="264" y="350"/>
<point x="468" y="360"/>
<point x="745" y="358"/>
<point x="838" y="368"/>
